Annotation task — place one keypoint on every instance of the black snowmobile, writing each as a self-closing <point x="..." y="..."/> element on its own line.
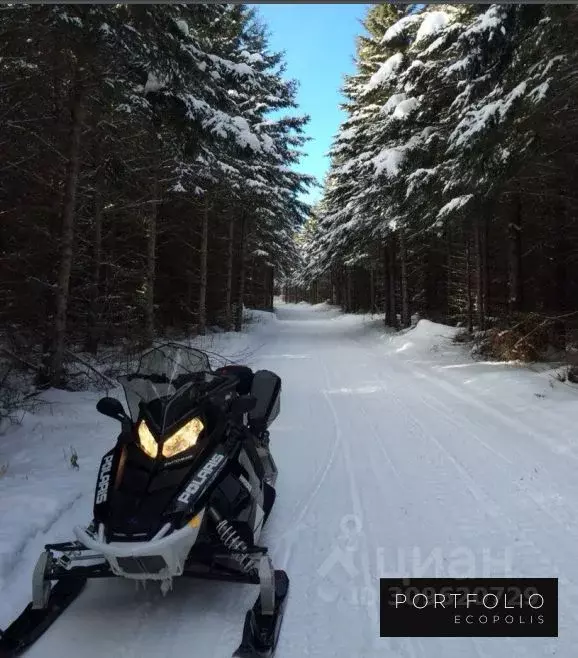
<point x="185" y="492"/>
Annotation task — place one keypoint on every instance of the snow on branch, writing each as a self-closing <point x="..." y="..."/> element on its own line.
<point x="454" y="204"/>
<point x="385" y="72"/>
<point x="485" y="116"/>
<point x="434" y="22"/>
<point x="398" y="29"/>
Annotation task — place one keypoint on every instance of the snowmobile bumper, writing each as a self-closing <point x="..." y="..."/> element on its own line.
<point x="161" y="558"/>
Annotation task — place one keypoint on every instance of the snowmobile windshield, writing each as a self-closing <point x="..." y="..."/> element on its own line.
<point x="166" y="380"/>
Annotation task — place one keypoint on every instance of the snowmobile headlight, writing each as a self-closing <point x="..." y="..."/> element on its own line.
<point x="184" y="438"/>
<point x="147" y="441"/>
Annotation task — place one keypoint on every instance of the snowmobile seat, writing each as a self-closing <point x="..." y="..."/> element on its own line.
<point x="244" y="374"/>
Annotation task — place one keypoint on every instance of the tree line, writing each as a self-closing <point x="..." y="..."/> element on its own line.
<point x="147" y="181"/>
<point x="453" y="192"/>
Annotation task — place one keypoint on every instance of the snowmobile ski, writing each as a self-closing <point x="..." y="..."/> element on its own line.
<point x="32" y="623"/>
<point x="261" y="631"/>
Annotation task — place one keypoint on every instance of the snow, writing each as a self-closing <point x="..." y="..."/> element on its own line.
<point x="405" y="107"/>
<point x="397" y="29"/>
<point x="398" y="456"/>
<point x="183" y="27"/>
<point x="268" y="143"/>
<point x="457" y="67"/>
<point x="75" y="20"/>
<point x="435" y="45"/>
<point x="385" y="72"/>
<point x="399" y="106"/>
<point x="486" y="22"/>
<point x="252" y="58"/>
<point x="434" y="22"/>
<point x="538" y="94"/>
<point x="454" y="204"/>
<point x="39" y="484"/>
<point x="243" y="135"/>
<point x="153" y="83"/>
<point x="481" y="118"/>
<point x="555" y="60"/>
<point x="392" y="102"/>
<point x="389" y="161"/>
<point x="346" y="134"/>
<point x="419" y="177"/>
<point x="242" y="69"/>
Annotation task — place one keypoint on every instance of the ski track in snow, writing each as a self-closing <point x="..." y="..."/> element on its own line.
<point x="397" y="457"/>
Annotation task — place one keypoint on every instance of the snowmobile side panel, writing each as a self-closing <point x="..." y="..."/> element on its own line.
<point x="261" y="631"/>
<point x="31" y="624"/>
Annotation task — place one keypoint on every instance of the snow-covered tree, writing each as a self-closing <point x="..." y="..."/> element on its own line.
<point x="454" y="119"/>
<point x="146" y="145"/>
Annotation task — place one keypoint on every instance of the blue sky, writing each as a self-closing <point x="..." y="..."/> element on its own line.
<point x="319" y="42"/>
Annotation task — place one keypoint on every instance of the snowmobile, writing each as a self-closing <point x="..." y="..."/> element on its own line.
<point x="185" y="491"/>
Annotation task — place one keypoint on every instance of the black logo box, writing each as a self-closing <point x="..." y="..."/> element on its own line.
<point x="474" y="607"/>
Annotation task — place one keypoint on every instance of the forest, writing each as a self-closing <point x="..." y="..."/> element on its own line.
<point x="452" y="193"/>
<point x="150" y="187"/>
<point x="147" y="184"/>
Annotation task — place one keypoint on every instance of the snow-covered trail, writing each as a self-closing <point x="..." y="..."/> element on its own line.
<point x="394" y="460"/>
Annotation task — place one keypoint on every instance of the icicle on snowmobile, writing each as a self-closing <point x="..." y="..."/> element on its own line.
<point x="185" y="492"/>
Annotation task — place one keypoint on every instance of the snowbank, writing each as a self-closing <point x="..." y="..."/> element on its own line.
<point x="40" y="484"/>
<point x="507" y="386"/>
<point x="426" y="332"/>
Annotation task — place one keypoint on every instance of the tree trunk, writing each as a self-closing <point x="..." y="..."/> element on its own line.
<point x="392" y="304"/>
<point x="202" y="326"/>
<point x="485" y="263"/>
<point x="150" y="277"/>
<point x="241" y="288"/>
<point x="515" y="251"/>
<point x="55" y="371"/>
<point x="372" y="291"/>
<point x="386" y="297"/>
<point x="266" y="305"/>
<point x="449" y="261"/>
<point x="480" y="301"/>
<point x="333" y="287"/>
<point x="94" y="319"/>
<point x="230" y="269"/>
<point x="561" y="257"/>
<point x="338" y="290"/>
<point x="470" y="304"/>
<point x="405" y="311"/>
<point x="271" y="288"/>
<point x="349" y="308"/>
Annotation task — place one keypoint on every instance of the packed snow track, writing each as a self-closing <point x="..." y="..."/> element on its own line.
<point x="397" y="456"/>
